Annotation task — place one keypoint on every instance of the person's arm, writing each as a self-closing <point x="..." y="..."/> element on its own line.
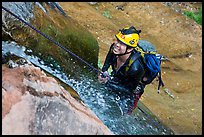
<point x="103" y="79"/>
<point x="107" y="62"/>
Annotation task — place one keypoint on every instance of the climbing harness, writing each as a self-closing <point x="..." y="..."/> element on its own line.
<point x="56" y="43"/>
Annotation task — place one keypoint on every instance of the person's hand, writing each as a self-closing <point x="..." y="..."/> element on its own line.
<point x="103" y="77"/>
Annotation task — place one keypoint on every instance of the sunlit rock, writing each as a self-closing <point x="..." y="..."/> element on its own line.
<point x="35" y="104"/>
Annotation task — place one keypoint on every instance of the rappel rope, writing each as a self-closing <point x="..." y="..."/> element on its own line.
<point x="47" y="37"/>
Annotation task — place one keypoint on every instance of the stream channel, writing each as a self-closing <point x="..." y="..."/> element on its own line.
<point x="98" y="99"/>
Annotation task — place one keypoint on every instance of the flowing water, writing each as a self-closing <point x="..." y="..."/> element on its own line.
<point x="100" y="100"/>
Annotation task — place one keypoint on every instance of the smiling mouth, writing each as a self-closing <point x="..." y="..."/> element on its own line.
<point x="115" y="50"/>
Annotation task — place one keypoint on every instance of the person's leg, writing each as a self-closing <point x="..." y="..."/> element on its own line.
<point x="134" y="103"/>
<point x="137" y="94"/>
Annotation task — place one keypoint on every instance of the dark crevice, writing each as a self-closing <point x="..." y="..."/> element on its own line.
<point x="33" y="92"/>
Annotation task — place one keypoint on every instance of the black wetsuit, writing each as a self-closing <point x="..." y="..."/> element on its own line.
<point x="125" y="81"/>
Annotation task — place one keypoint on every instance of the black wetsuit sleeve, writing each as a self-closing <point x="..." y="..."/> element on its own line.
<point x="108" y="59"/>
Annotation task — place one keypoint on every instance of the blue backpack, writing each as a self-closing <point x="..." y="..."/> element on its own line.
<point x="152" y="62"/>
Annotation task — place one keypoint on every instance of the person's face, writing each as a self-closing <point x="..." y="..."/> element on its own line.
<point x="119" y="47"/>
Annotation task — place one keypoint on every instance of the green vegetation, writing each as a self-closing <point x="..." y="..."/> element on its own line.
<point x="107" y="14"/>
<point x="195" y="16"/>
<point x="70" y="35"/>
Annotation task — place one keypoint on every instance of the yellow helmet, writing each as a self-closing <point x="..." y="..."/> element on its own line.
<point x="129" y="36"/>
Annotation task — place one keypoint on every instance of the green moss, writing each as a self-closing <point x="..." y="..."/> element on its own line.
<point x="106" y="14"/>
<point x="195" y="16"/>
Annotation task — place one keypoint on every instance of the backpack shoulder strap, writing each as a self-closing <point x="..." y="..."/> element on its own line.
<point x="131" y="61"/>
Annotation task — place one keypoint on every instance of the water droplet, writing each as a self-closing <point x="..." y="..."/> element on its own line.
<point x="23" y="48"/>
<point x="29" y="50"/>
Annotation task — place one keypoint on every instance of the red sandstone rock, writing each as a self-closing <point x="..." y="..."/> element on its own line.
<point x="33" y="103"/>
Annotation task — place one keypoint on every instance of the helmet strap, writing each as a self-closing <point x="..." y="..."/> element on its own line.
<point x="125" y="52"/>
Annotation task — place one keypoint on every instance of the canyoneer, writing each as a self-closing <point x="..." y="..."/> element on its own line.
<point x="132" y="69"/>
